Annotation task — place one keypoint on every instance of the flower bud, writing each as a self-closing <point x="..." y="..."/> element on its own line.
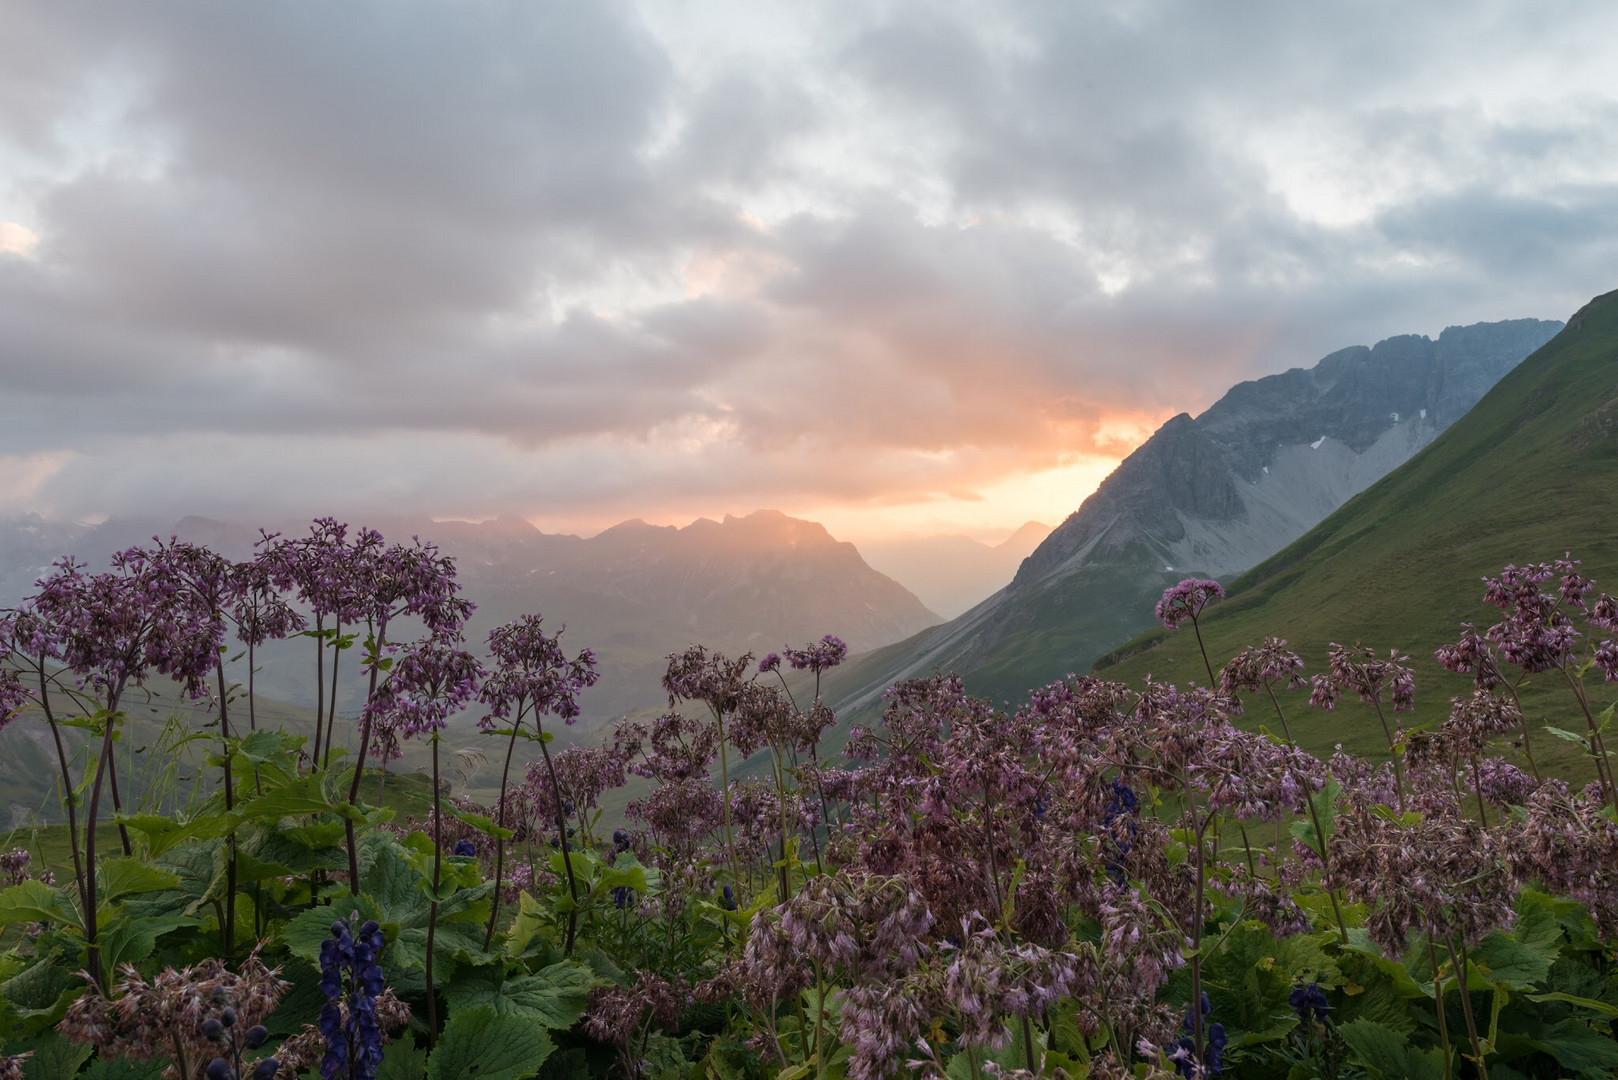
<point x="227" y="1016"/>
<point x="255" y="1036"/>
<point x="213" y="1029"/>
<point x="219" y="1069"/>
<point x="266" y="1068"/>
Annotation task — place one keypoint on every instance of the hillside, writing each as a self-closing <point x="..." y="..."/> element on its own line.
<point x="1530" y="473"/>
<point x="1208" y="496"/>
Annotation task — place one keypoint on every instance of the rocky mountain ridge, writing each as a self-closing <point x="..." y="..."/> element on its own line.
<point x="1210" y="496"/>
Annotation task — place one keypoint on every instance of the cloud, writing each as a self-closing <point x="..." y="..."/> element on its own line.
<point x="590" y="258"/>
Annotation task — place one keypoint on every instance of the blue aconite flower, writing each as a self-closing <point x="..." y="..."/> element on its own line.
<point x="464" y="847"/>
<point x="351" y="978"/>
<point x="1309" y="1002"/>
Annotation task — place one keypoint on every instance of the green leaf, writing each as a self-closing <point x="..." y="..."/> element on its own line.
<point x="126" y="877"/>
<point x="1582" y="1002"/>
<point x="554" y="996"/>
<point x="1580" y="1049"/>
<point x="1522" y="958"/>
<point x="126" y="940"/>
<point x="304" y="934"/>
<point x="124" y="1068"/>
<point x="391" y="879"/>
<point x="482" y="824"/>
<point x="305" y="795"/>
<point x="1385" y="1052"/>
<point x="457" y="942"/>
<point x="41" y="993"/>
<point x="55" y="1058"/>
<point x="163" y="834"/>
<point x="480" y="1044"/>
<point x="402" y="1060"/>
<point x="531" y="917"/>
<point x="35" y="901"/>
<point x="266" y="747"/>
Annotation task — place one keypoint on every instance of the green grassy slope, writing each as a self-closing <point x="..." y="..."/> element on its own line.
<point x="1530" y="473"/>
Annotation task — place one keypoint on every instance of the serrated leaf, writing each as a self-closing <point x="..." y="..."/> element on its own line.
<point x="554" y="996"/>
<point x="482" y="824"/>
<point x="127" y="941"/>
<point x="1581" y="1049"/>
<point x="1379" y="1048"/>
<point x="1522" y="958"/>
<point x="35" y="901"/>
<point x="41" y="992"/>
<point x="303" y="935"/>
<point x="480" y="1044"/>
<point x="124" y="1068"/>
<point x="402" y="1060"/>
<point x="305" y="795"/>
<point x="391" y="879"/>
<point x="455" y="943"/>
<point x="164" y="834"/>
<point x="54" y="1057"/>
<point x="129" y="876"/>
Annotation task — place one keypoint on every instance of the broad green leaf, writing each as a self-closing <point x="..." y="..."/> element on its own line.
<point x="480" y="1044"/>
<point x="163" y="834"/>
<point x="402" y="1060"/>
<point x="304" y="934"/>
<point x="265" y="850"/>
<point x="266" y="747"/>
<point x="35" y="901"/>
<point x="124" y="1068"/>
<point x="1522" y="958"/>
<point x="482" y="824"/>
<point x="531" y="917"/>
<point x="393" y="882"/>
<point x="304" y="795"/>
<point x="553" y="996"/>
<point x="41" y="993"/>
<point x="457" y="942"/>
<point x="127" y="877"/>
<point x="124" y="940"/>
<point x="55" y="1058"/>
<point x="1386" y="1053"/>
<point x="1580" y="1049"/>
<point x="193" y="864"/>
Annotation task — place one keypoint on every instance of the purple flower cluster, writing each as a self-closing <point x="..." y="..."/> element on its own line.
<point x="1186" y="601"/>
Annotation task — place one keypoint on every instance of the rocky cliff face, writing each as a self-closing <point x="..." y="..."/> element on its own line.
<point x="1213" y="495"/>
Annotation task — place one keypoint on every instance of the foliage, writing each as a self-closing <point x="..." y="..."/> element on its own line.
<point x="1102" y="882"/>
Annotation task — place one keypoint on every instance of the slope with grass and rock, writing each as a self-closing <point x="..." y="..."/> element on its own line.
<point x="1528" y="475"/>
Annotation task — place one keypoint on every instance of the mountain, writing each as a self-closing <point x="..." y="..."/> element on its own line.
<point x="1208" y="496"/>
<point x="953" y="573"/>
<point x="1530" y="473"/>
<point x="633" y="594"/>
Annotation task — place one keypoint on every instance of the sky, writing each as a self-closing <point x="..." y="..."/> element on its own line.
<point x="897" y="267"/>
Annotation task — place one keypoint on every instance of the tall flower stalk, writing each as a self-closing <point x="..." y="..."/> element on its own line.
<point x="532" y="678"/>
<point x="429" y="681"/>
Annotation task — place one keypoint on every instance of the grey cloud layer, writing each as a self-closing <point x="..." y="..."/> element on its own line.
<point x="492" y="255"/>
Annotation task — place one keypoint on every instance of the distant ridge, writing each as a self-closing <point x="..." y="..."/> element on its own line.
<point x="1208" y="496"/>
<point x="633" y="593"/>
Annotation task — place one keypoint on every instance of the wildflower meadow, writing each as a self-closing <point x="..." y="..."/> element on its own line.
<point x="1104" y="881"/>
